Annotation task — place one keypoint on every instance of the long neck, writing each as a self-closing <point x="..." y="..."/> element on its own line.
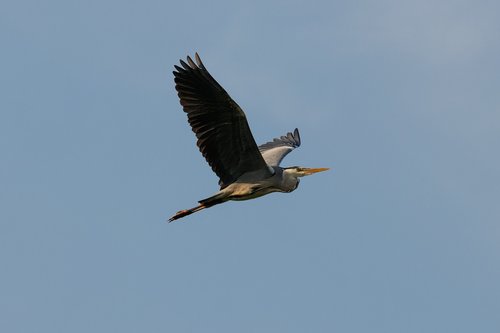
<point x="290" y="179"/>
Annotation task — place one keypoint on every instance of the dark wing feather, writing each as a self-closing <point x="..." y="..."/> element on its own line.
<point x="224" y="138"/>
<point x="274" y="151"/>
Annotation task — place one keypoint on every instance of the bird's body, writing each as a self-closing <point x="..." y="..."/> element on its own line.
<point x="246" y="171"/>
<point x="250" y="186"/>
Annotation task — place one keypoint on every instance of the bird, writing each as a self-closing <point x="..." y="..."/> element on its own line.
<point x="245" y="170"/>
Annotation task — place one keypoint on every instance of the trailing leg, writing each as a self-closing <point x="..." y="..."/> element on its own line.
<point x="205" y="203"/>
<point x="186" y="212"/>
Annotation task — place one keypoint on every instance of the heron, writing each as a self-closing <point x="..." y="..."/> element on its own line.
<point x="245" y="170"/>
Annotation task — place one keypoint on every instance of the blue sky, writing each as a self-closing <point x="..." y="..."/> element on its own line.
<point x="399" y="98"/>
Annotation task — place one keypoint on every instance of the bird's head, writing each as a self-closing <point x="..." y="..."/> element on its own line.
<point x="297" y="171"/>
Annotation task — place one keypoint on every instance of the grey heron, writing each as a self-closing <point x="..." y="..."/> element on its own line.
<point x="245" y="170"/>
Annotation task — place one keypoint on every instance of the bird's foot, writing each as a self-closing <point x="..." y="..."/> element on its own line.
<point x="180" y="214"/>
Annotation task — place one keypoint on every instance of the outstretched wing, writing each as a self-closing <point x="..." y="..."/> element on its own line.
<point x="224" y="138"/>
<point x="274" y="151"/>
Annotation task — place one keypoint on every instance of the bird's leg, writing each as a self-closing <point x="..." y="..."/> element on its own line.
<point x="215" y="199"/>
<point x="186" y="212"/>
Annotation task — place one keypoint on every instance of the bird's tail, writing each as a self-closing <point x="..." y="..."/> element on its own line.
<point x="205" y="203"/>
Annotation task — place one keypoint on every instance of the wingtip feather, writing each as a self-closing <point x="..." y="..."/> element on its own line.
<point x="191" y="62"/>
<point x="198" y="60"/>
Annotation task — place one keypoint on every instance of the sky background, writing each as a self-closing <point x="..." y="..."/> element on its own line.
<point x="400" y="98"/>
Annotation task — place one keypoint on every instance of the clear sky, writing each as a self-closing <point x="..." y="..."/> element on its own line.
<point x="400" y="98"/>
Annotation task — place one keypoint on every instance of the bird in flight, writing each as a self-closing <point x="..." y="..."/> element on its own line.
<point x="245" y="170"/>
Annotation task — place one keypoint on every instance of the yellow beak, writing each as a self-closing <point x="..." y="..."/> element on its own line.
<point x="310" y="171"/>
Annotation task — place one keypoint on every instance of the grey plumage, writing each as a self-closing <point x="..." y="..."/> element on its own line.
<point x="245" y="170"/>
<point x="274" y="151"/>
